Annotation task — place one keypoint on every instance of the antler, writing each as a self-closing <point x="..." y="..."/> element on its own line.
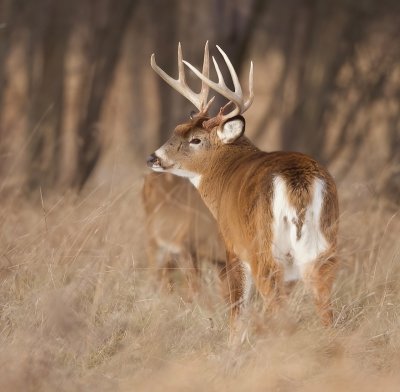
<point x="198" y="99"/>
<point x="235" y="97"/>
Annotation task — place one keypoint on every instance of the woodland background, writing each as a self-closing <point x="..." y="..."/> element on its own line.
<point x="75" y="79"/>
<point x="81" y="109"/>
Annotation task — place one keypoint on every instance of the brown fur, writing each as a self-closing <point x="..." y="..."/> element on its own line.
<point x="237" y="186"/>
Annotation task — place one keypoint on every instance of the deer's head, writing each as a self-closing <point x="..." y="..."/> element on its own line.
<point x="192" y="143"/>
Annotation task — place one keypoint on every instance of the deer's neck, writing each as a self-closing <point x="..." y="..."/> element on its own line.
<point x="221" y="174"/>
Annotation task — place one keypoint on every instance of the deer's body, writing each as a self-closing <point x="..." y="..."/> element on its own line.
<point x="277" y="212"/>
<point x="278" y="206"/>
<point x="180" y="230"/>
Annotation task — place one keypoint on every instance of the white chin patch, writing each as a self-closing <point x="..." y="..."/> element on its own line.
<point x="157" y="168"/>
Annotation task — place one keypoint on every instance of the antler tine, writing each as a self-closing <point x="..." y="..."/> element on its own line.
<point x="221" y="80"/>
<point x="219" y="87"/>
<point x="235" y="79"/>
<point x="204" y="86"/>
<point x="251" y="87"/>
<point x="198" y="100"/>
<point x="236" y="96"/>
<point x="181" y="69"/>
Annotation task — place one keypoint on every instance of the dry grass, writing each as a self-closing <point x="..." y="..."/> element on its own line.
<point x="80" y="310"/>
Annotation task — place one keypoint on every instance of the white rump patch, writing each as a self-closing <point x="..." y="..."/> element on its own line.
<point x="287" y="248"/>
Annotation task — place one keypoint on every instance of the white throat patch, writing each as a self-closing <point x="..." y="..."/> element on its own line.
<point x="182" y="173"/>
<point x="195" y="180"/>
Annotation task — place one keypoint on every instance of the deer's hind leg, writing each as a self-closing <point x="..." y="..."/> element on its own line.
<point x="236" y="282"/>
<point x="319" y="277"/>
<point x="268" y="277"/>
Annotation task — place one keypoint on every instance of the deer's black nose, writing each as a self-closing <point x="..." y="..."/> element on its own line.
<point x="152" y="159"/>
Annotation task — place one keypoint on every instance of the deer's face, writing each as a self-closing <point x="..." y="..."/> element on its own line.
<point x="190" y="149"/>
<point x="191" y="146"/>
<point x="183" y="153"/>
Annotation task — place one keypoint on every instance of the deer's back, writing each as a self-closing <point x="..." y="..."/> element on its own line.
<point x="281" y="202"/>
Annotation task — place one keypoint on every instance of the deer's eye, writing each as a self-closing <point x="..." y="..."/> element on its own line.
<point x="192" y="114"/>
<point x="195" y="141"/>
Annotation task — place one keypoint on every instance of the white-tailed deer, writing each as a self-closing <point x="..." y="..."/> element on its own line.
<point x="181" y="232"/>
<point x="277" y="211"/>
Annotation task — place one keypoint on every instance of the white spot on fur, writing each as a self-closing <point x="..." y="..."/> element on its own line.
<point x="182" y="173"/>
<point x="295" y="253"/>
<point x="247" y="281"/>
<point x="195" y="180"/>
<point x="169" y="246"/>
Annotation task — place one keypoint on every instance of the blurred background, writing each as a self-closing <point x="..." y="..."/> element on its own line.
<point x="77" y="92"/>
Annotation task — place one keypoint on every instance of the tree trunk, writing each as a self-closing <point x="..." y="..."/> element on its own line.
<point x="49" y="43"/>
<point x="108" y="31"/>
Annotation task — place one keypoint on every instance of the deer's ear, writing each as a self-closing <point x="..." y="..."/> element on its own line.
<point x="231" y="129"/>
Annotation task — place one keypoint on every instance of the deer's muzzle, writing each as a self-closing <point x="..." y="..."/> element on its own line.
<point x="153" y="161"/>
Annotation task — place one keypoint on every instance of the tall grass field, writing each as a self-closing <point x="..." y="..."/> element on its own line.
<point x="81" y="309"/>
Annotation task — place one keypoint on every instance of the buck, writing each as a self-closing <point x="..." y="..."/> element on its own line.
<point x="181" y="232"/>
<point x="277" y="211"/>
